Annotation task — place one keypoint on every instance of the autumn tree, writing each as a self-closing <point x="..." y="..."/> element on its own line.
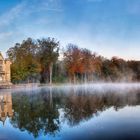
<point x="86" y="62"/>
<point x="73" y="59"/>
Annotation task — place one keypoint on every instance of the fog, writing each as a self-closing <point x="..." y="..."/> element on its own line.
<point x="90" y="87"/>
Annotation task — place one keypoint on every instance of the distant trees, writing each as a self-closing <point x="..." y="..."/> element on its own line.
<point x="37" y="60"/>
<point x="81" y="63"/>
<point x="135" y="69"/>
<point x="117" y="69"/>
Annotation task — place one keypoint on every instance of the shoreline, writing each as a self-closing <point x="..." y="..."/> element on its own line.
<point x="38" y="85"/>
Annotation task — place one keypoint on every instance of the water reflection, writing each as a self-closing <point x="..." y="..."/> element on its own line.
<point x="5" y="106"/>
<point x="38" y="114"/>
<point x="45" y="112"/>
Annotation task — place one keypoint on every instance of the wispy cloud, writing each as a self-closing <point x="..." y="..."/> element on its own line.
<point x="25" y="19"/>
<point x="26" y="8"/>
<point x="93" y="24"/>
<point x="4" y="35"/>
<point x="9" y="17"/>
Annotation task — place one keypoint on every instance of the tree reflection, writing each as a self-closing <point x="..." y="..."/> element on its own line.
<point x="39" y="113"/>
<point x="81" y="105"/>
<point x="35" y="113"/>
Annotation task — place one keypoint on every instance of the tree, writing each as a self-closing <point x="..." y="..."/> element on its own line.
<point x="73" y="58"/>
<point x="25" y="64"/>
<point x="87" y="60"/>
<point x="49" y="52"/>
<point x="37" y="60"/>
<point x="134" y="66"/>
<point x="81" y="62"/>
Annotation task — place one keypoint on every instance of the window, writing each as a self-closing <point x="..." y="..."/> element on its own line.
<point x="0" y="68"/>
<point x="1" y="62"/>
<point x="0" y="78"/>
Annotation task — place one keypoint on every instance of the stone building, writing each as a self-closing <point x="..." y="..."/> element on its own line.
<point x="5" y="71"/>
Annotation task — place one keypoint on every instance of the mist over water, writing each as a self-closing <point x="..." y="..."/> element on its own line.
<point x="99" y="86"/>
<point x="97" y="111"/>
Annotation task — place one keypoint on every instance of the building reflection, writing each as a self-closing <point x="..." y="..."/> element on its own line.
<point x="5" y="106"/>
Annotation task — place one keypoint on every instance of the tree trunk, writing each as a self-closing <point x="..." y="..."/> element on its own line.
<point x="70" y="79"/>
<point x="85" y="79"/>
<point x="74" y="78"/>
<point x="51" y="98"/>
<point x="50" y="69"/>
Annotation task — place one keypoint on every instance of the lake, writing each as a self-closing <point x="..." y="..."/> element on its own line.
<point x="82" y="112"/>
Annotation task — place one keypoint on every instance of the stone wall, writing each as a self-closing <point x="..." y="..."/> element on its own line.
<point x="5" y="70"/>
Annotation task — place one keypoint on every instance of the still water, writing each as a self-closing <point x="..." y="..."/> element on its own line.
<point x="71" y="113"/>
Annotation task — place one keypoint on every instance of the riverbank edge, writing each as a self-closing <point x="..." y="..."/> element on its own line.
<point x="35" y="85"/>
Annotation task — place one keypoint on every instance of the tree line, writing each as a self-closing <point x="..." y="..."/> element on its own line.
<point x="39" y="61"/>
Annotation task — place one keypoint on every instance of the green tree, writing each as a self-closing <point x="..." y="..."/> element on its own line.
<point x="25" y="63"/>
<point x="49" y="52"/>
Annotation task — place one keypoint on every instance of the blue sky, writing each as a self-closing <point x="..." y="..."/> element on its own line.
<point x="108" y="27"/>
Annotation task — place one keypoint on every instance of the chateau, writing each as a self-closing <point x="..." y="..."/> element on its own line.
<point x="5" y="71"/>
